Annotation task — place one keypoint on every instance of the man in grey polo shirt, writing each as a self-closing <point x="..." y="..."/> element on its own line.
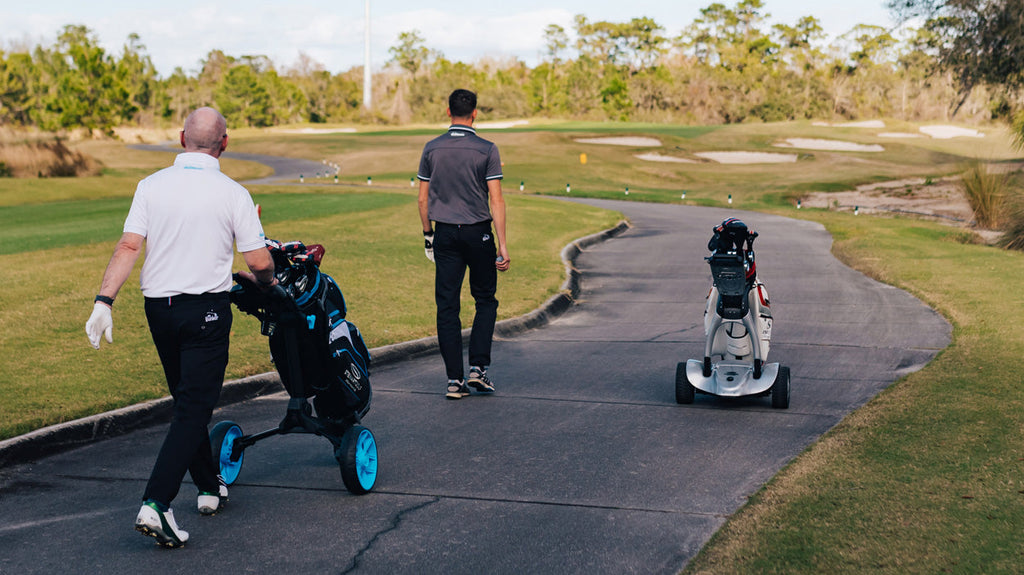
<point x="460" y="197"/>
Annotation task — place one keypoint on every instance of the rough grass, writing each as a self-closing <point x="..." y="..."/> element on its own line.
<point x="44" y="159"/>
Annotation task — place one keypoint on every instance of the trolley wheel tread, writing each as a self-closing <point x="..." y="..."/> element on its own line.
<point x="684" y="390"/>
<point x="357" y="457"/>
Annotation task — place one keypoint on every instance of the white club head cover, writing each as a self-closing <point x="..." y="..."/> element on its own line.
<point x="428" y="243"/>
<point x="101" y="322"/>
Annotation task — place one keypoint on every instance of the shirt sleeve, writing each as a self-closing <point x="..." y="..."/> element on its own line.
<point x="494" y="164"/>
<point x="248" y="229"/>
<point x="424" y="171"/>
<point x="137" y="221"/>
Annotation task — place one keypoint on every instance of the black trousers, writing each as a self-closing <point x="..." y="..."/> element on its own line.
<point x="191" y="333"/>
<point x="456" y="248"/>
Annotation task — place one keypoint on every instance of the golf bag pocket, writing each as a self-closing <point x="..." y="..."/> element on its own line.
<point x="349" y="366"/>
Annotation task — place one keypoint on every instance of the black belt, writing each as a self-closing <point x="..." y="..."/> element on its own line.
<point x="483" y="223"/>
<point x="187" y="297"/>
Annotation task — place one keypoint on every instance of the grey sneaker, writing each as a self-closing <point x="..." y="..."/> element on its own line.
<point x="210" y="503"/>
<point x="456" y="389"/>
<point x="160" y="524"/>
<point x="479" y="381"/>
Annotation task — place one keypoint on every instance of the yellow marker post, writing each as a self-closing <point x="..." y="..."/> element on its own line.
<point x="583" y="159"/>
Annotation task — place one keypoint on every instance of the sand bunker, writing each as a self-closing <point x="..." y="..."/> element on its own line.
<point x="832" y="145"/>
<point x="747" y="157"/>
<point x="501" y="125"/>
<point x="940" y="198"/>
<point x="660" y="158"/>
<point x="320" y="131"/>
<point x="864" y="124"/>
<point x="622" y="141"/>
<point x="947" y="132"/>
<point x="898" y="135"/>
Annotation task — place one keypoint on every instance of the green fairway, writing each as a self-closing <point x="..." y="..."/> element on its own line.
<point x="926" y="478"/>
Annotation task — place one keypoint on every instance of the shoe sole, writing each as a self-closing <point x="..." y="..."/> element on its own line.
<point x="480" y="386"/>
<point x="161" y="539"/>
<point x="456" y="394"/>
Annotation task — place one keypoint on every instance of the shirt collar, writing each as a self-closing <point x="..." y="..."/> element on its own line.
<point x="462" y="127"/>
<point x="197" y="161"/>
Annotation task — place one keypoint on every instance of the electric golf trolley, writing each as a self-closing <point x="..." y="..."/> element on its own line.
<point x="737" y="327"/>
<point x="319" y="355"/>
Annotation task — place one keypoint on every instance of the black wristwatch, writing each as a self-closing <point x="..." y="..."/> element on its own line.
<point x="104" y="299"/>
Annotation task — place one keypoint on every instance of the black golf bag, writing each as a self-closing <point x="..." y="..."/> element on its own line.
<point x="317" y="352"/>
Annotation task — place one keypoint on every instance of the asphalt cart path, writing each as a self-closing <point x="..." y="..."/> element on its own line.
<point x="581" y="463"/>
<point x="286" y="170"/>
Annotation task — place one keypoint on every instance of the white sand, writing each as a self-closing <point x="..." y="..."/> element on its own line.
<point x="320" y="131"/>
<point x="622" y="141"/>
<point x="660" y="158"/>
<point x="747" y="157"/>
<point x="833" y="145"/>
<point x="501" y="125"/>
<point x="864" y="124"/>
<point x="898" y="135"/>
<point x="947" y="132"/>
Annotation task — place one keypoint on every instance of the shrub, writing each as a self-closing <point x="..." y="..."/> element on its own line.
<point x="986" y="193"/>
<point x="45" y="159"/>
<point x="1013" y="233"/>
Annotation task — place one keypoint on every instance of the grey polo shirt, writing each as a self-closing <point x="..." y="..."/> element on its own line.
<point x="458" y="166"/>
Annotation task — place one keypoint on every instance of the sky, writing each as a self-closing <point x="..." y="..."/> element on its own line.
<point x="182" y="33"/>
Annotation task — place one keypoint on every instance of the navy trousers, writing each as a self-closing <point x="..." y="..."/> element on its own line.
<point x="456" y="248"/>
<point x="191" y="333"/>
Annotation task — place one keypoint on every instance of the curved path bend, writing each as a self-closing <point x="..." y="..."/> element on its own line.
<point x="581" y="463"/>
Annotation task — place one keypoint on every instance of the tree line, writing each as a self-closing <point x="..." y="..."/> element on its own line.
<point x="729" y="65"/>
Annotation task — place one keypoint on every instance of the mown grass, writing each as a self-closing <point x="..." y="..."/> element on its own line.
<point x="49" y="374"/>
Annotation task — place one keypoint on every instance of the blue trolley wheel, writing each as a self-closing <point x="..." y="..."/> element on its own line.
<point x="357" y="456"/>
<point x="222" y="441"/>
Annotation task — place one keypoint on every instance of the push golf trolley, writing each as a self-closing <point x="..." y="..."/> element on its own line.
<point x="737" y="327"/>
<point x="318" y="355"/>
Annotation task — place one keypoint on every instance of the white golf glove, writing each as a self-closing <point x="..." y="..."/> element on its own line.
<point x="428" y="244"/>
<point x="101" y="322"/>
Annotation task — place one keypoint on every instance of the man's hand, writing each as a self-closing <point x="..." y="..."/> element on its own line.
<point x="502" y="262"/>
<point x="101" y="322"/>
<point x="428" y="244"/>
<point x="252" y="278"/>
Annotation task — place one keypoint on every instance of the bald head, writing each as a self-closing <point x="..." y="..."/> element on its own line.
<point x="205" y="131"/>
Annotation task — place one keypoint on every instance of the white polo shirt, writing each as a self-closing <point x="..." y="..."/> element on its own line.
<point x="191" y="214"/>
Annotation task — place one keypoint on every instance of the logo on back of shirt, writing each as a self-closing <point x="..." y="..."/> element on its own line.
<point x="455" y="134"/>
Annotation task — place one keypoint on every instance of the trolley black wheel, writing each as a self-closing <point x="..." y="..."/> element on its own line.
<point x="757" y="368"/>
<point x="684" y="391"/>
<point x="780" y="389"/>
<point x="357" y="456"/>
<point x="222" y="441"/>
<point x="707" y="367"/>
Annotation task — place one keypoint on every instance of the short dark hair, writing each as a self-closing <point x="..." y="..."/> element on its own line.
<point x="461" y="103"/>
